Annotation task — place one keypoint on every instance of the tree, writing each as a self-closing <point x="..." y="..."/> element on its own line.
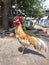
<point x="5" y="13"/>
<point x="30" y="7"/>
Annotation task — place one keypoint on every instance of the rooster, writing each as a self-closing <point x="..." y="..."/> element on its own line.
<point x="25" y="39"/>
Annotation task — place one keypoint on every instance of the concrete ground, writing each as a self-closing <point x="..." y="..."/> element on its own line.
<point x="10" y="53"/>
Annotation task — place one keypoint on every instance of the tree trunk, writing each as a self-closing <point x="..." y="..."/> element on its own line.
<point x="5" y="14"/>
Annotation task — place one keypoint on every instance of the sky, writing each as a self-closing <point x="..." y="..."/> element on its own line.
<point x="46" y="4"/>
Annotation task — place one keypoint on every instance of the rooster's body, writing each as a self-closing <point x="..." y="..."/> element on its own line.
<point x="27" y="40"/>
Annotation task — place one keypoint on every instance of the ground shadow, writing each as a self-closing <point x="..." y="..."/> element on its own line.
<point x="26" y="51"/>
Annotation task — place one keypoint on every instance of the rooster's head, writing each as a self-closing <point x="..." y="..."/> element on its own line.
<point x="17" y="20"/>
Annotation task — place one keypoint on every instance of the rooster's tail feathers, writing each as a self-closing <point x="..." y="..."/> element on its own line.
<point x="40" y="44"/>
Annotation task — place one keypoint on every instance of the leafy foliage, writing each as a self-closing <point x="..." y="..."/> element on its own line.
<point x="30" y="7"/>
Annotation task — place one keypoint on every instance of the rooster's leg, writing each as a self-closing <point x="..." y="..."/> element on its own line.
<point x="23" y="49"/>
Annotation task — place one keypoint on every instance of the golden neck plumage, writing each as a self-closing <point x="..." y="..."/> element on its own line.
<point x="19" y="29"/>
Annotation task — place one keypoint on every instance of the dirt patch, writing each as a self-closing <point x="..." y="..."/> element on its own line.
<point x="10" y="54"/>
